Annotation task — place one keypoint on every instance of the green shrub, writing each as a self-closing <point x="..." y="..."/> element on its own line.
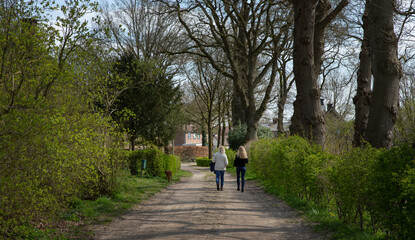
<point x="134" y="160"/>
<point x="49" y="157"/>
<point x="291" y="163"/>
<point x="203" y="161"/>
<point x="172" y="163"/>
<point x="349" y="179"/>
<point x="368" y="188"/>
<point x="237" y="136"/>
<point x="392" y="192"/>
<point x="157" y="162"/>
<point x="230" y="154"/>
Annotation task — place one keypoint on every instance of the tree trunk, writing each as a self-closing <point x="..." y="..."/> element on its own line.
<point x="210" y="138"/>
<point x="310" y="20"/>
<point x="308" y="92"/>
<point x="387" y="72"/>
<point x="223" y="129"/>
<point x="132" y="143"/>
<point x="296" y="126"/>
<point x="280" y="120"/>
<point x="219" y="122"/>
<point x="252" y="129"/>
<point x="204" y="140"/>
<point x="238" y="114"/>
<point x="219" y="134"/>
<point x="364" y="82"/>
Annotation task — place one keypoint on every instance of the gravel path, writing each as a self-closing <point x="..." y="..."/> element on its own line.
<point x="194" y="209"/>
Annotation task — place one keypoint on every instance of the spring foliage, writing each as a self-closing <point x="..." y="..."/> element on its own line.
<point x="157" y="162"/>
<point x="53" y="146"/>
<point x="369" y="188"/>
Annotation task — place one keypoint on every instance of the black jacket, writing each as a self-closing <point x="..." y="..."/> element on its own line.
<point x="240" y="162"/>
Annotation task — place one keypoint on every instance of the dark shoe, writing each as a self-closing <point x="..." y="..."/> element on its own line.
<point x="221" y="188"/>
<point x="238" y="189"/>
<point x="242" y="190"/>
<point x="217" y="187"/>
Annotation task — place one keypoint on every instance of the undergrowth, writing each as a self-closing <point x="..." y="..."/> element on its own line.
<point x="77" y="220"/>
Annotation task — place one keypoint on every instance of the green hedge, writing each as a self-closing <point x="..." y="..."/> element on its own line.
<point x="231" y="157"/>
<point x="366" y="187"/>
<point x="157" y="162"/>
<point x="203" y="161"/>
<point x="392" y="192"/>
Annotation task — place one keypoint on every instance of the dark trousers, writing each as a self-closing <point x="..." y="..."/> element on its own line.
<point x="240" y="174"/>
<point x="220" y="175"/>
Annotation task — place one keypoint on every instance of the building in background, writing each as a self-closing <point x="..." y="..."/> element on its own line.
<point x="188" y="136"/>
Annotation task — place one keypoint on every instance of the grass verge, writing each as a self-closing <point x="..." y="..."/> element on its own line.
<point x="82" y="215"/>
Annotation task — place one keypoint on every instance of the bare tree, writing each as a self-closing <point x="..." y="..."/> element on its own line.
<point x="249" y="35"/>
<point x="286" y="82"/>
<point x="146" y="29"/>
<point x="224" y="99"/>
<point x="205" y="84"/>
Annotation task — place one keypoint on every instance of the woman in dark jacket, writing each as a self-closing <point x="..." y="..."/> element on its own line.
<point x="240" y="160"/>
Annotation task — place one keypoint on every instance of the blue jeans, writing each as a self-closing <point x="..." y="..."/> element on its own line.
<point x="219" y="174"/>
<point x="240" y="173"/>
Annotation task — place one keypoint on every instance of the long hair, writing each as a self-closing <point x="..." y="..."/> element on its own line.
<point x="242" y="153"/>
<point x="222" y="149"/>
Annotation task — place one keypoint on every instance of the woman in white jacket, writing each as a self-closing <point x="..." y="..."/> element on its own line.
<point x="221" y="162"/>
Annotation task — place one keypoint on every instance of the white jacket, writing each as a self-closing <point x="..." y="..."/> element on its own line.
<point x="221" y="161"/>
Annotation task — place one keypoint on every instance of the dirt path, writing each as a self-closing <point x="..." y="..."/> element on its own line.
<point x="194" y="209"/>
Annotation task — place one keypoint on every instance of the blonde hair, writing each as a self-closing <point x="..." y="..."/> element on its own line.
<point x="222" y="149"/>
<point x="242" y="153"/>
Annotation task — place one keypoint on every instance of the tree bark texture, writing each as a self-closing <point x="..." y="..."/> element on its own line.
<point x="307" y="102"/>
<point x="364" y="83"/>
<point x="387" y="72"/>
<point x="310" y="21"/>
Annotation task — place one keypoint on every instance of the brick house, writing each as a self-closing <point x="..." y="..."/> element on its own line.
<point x="187" y="136"/>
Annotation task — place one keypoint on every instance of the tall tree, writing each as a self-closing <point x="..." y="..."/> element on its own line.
<point x="148" y="106"/>
<point x="145" y="29"/>
<point x="387" y="72"/>
<point x="205" y="88"/>
<point x="286" y="82"/>
<point x="250" y="35"/>
<point x="310" y="20"/>
<point x="364" y="82"/>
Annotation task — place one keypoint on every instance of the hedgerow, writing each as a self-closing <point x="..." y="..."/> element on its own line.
<point x="157" y="162"/>
<point x="47" y="159"/>
<point x="203" y="161"/>
<point x="371" y="189"/>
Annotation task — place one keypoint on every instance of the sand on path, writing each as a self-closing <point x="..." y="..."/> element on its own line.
<point x="194" y="209"/>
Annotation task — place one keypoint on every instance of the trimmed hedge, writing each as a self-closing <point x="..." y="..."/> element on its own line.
<point x="203" y="161"/>
<point x="366" y="187"/>
<point x="157" y="162"/>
